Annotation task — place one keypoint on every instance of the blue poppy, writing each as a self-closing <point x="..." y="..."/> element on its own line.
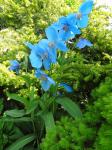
<point x="46" y="81"/>
<point x="82" y="43"/>
<point x="39" y="56"/>
<point x="82" y="15"/>
<point x="66" y="87"/>
<point x="14" y="66"/>
<point x="53" y="42"/>
<point x="66" y="27"/>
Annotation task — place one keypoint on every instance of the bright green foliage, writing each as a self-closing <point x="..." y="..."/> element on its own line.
<point x="8" y="78"/>
<point x="103" y="99"/>
<point x="69" y="135"/>
<point x="36" y="13"/>
<point x="12" y="43"/>
<point x="104" y="138"/>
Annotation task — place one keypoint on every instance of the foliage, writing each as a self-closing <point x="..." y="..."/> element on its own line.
<point x="88" y="71"/>
<point x="69" y="134"/>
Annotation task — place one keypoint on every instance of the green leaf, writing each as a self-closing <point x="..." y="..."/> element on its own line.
<point x="20" y="143"/>
<point x="22" y="119"/>
<point x="48" y="120"/>
<point x="18" y="98"/>
<point x="70" y="107"/>
<point x="15" y="113"/>
<point x="1" y="105"/>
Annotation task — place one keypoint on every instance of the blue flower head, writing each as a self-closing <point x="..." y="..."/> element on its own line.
<point x="39" y="56"/>
<point x="82" y="15"/>
<point x="14" y="66"/>
<point x="53" y="42"/>
<point x="66" y="87"/>
<point x="46" y="81"/>
<point x="66" y="27"/>
<point x="82" y="43"/>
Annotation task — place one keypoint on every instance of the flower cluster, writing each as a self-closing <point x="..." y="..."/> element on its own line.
<point x="44" y="53"/>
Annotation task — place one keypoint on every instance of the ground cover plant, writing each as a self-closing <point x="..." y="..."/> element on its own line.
<point x="55" y="86"/>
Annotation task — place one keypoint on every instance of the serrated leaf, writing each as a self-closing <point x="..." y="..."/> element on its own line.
<point x="20" y="143"/>
<point x="70" y="107"/>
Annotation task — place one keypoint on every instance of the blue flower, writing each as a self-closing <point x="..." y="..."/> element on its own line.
<point x="66" y="87"/>
<point x="82" y="15"/>
<point x="53" y="42"/>
<point x="39" y="56"/>
<point x="46" y="81"/>
<point x="66" y="27"/>
<point x="82" y="43"/>
<point x="14" y="66"/>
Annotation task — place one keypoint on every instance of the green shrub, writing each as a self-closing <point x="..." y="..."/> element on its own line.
<point x="69" y="135"/>
<point x="103" y="141"/>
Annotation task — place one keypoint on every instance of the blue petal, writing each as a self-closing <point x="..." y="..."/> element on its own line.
<point x="43" y="43"/>
<point x="51" y="81"/>
<point x="12" y="68"/>
<point x="83" y="21"/>
<point x="86" y="7"/>
<point x="72" y="19"/>
<point x="52" y="55"/>
<point x="36" y="61"/>
<point x="35" y="48"/>
<point x="39" y="73"/>
<point x="29" y="45"/>
<point x="46" y="63"/>
<point x="82" y="43"/>
<point x="66" y="87"/>
<point x="88" y="43"/>
<point x="75" y="30"/>
<point x="14" y="63"/>
<point x="56" y="26"/>
<point x="63" y="20"/>
<point x="62" y="46"/>
<point x="51" y="34"/>
<point x="65" y="36"/>
<point x="45" y="85"/>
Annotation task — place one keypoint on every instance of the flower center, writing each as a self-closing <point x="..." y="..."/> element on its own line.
<point x="45" y="55"/>
<point x="43" y="77"/>
<point x="79" y="15"/>
<point x="51" y="44"/>
<point x="65" y="28"/>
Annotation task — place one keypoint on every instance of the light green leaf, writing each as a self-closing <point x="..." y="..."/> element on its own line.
<point x="15" y="113"/>
<point x="70" y="107"/>
<point x="20" y="143"/>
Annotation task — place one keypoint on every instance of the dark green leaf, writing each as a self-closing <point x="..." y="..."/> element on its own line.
<point x="18" y="98"/>
<point x="20" y="143"/>
<point x="48" y="120"/>
<point x="70" y="107"/>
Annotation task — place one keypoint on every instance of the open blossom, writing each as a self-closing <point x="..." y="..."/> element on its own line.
<point x="46" y="81"/>
<point x="66" y="28"/>
<point x="39" y="56"/>
<point x="82" y="15"/>
<point x="53" y="42"/>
